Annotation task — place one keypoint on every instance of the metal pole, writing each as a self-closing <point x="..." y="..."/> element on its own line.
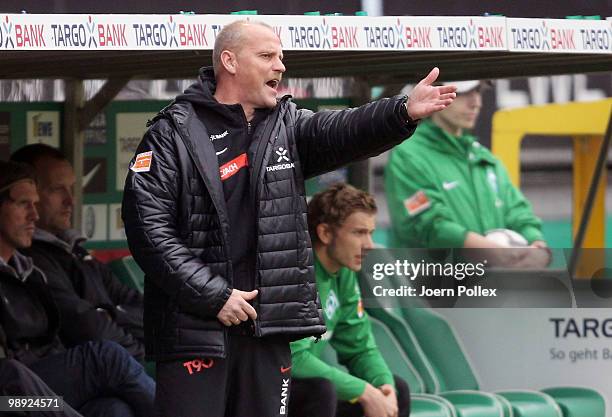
<point x="588" y="205"/>
<point x="359" y="172"/>
<point x="372" y="7"/>
<point x="72" y="145"/>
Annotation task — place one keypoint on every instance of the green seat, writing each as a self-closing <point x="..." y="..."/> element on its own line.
<point x="438" y="341"/>
<point x="425" y="405"/>
<point x="128" y="272"/>
<point x="435" y="352"/>
<point x="468" y="404"/>
<point x="578" y="401"/>
<point x="531" y="403"/>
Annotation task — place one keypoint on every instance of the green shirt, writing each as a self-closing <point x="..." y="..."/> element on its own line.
<point x="349" y="332"/>
<point x="439" y="187"/>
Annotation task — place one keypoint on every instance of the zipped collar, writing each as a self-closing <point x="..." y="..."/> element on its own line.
<point x="324" y="273"/>
<point x="19" y="266"/>
<point x="67" y="241"/>
<point x="462" y="146"/>
<point x="201" y="94"/>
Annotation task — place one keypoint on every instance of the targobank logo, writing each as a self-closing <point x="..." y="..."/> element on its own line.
<point x="282" y="154"/>
<point x="283" y="161"/>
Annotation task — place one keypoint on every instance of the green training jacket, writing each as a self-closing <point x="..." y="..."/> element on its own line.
<point x="349" y="332"/>
<point x="439" y="187"/>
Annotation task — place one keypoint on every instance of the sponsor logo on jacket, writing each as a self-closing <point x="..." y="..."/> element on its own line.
<point x="218" y="136"/>
<point x="417" y="203"/>
<point x="142" y="163"/>
<point x="282" y="159"/>
<point x="232" y="167"/>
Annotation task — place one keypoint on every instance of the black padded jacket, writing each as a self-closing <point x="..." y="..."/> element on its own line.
<point x="29" y="318"/>
<point x="177" y="224"/>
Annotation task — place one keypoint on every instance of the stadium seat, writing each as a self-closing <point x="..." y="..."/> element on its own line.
<point x="578" y="401"/>
<point x="438" y="339"/>
<point x="128" y="272"/>
<point x="436" y="353"/>
<point x="466" y="404"/>
<point x="531" y="403"/>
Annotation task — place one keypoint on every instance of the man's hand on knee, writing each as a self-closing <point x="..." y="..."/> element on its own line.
<point x="376" y="404"/>
<point x="237" y="308"/>
<point x="389" y="393"/>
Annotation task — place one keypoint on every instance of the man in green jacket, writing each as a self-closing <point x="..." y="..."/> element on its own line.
<point x="445" y="190"/>
<point x="341" y="221"/>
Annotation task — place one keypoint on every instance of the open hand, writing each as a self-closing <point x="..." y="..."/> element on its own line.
<point x="426" y="98"/>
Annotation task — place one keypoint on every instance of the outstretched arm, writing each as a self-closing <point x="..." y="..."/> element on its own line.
<point x="327" y="140"/>
<point x="426" y="99"/>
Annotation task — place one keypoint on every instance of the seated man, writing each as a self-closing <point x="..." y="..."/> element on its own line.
<point x="96" y="378"/>
<point x="341" y="222"/>
<point x="93" y="303"/>
<point x="445" y="190"/>
<point x="16" y="379"/>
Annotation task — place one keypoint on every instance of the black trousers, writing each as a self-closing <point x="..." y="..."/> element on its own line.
<point x="316" y="397"/>
<point x="253" y="381"/>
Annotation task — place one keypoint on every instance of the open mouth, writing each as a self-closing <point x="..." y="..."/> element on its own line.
<point x="273" y="83"/>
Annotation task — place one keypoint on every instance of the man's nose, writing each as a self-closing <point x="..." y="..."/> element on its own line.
<point x="33" y="213"/>
<point x="279" y="66"/>
<point x="69" y="199"/>
<point x="368" y="243"/>
<point x="476" y="99"/>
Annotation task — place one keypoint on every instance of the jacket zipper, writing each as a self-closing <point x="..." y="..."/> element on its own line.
<point x="260" y="150"/>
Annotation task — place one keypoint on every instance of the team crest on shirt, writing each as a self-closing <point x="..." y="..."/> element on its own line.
<point x="331" y="305"/>
<point x="360" y="309"/>
<point x="492" y="178"/>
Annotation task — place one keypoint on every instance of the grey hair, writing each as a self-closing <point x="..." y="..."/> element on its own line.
<point x="231" y="38"/>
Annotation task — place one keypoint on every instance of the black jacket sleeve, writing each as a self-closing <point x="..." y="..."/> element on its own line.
<point x="81" y="321"/>
<point x="327" y="140"/>
<point x="150" y="212"/>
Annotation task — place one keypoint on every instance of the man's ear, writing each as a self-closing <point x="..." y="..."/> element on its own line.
<point x="228" y="61"/>
<point x="325" y="233"/>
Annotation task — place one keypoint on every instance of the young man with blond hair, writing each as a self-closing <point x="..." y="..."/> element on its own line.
<point x="341" y="221"/>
